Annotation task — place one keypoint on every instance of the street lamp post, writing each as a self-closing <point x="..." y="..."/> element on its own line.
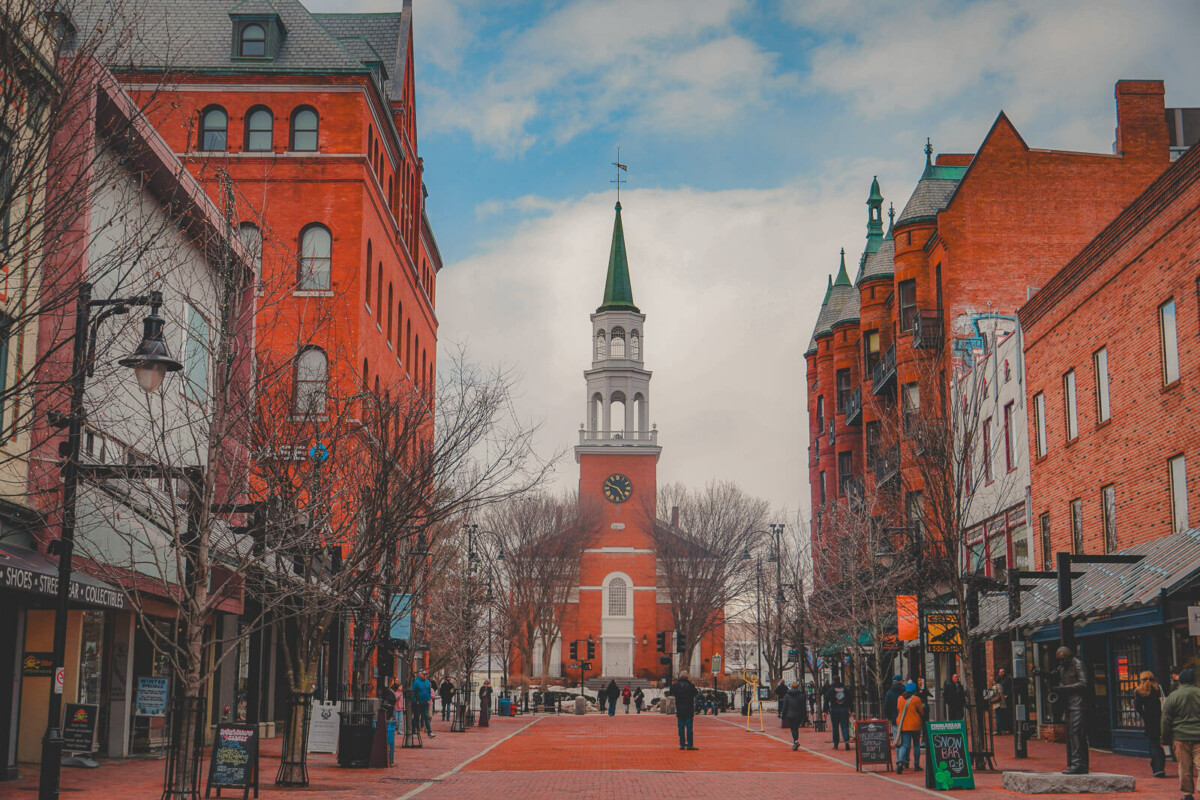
<point x="151" y="361"/>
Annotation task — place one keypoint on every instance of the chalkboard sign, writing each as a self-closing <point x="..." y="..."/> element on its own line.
<point x="79" y="727"/>
<point x="874" y="744"/>
<point x="948" y="763"/>
<point x="234" y="760"/>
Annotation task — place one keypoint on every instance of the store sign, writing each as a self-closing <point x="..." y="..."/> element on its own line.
<point x="27" y="580"/>
<point x="942" y="634"/>
<point x="151" y="698"/>
<point x="37" y="665"/>
<point x="79" y="727"/>
<point x="323" y="727"/>
<point x="1194" y="620"/>
<point x="317" y="453"/>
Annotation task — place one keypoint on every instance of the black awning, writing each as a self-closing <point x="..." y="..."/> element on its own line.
<point x="25" y="570"/>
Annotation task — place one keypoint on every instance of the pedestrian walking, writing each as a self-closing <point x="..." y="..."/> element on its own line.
<point x="422" y="692"/>
<point x="1147" y="701"/>
<point x="1002" y="693"/>
<point x="955" y="696"/>
<point x="838" y="700"/>
<point x="810" y="690"/>
<point x="909" y="719"/>
<point x="794" y="712"/>
<point x="611" y="692"/>
<point x="1181" y="727"/>
<point x="446" y="693"/>
<point x="890" y="700"/>
<point x="780" y="692"/>
<point x="626" y="697"/>
<point x="685" y="694"/>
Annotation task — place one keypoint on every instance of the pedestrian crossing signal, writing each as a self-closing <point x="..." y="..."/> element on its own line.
<point x="574" y="651"/>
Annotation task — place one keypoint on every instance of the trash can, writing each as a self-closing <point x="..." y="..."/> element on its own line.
<point x="505" y="707"/>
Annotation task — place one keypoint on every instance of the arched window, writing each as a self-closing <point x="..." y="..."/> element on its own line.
<point x="616" y="343"/>
<point x="254" y="42"/>
<point x="408" y="343"/>
<point x="616" y="415"/>
<point x="304" y="129"/>
<point x="601" y="346"/>
<point x="260" y="125"/>
<point x="312" y="379"/>
<point x="640" y="417"/>
<point x="618" y="605"/>
<point x="399" y="326"/>
<point x="316" y="257"/>
<point x="379" y="287"/>
<point x="366" y="369"/>
<point x="252" y="237"/>
<point x="596" y="412"/>
<point x="389" y="313"/>
<point x="367" y="296"/>
<point x="214" y="129"/>
<point x="635" y="345"/>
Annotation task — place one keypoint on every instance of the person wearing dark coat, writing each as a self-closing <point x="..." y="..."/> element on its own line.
<point x="446" y="694"/>
<point x="780" y="691"/>
<point x="612" y="692"/>
<point x="839" y="699"/>
<point x="890" y="700"/>
<point x="955" y="696"/>
<point x="794" y="711"/>
<point x="1147" y="701"/>
<point x="639" y="699"/>
<point x="684" y="692"/>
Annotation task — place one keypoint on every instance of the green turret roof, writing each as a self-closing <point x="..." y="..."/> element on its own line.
<point x="843" y="279"/>
<point x="876" y="195"/>
<point x="828" y="291"/>
<point x="618" y="293"/>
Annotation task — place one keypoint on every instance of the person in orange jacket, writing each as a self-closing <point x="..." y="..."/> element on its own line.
<point x="909" y="718"/>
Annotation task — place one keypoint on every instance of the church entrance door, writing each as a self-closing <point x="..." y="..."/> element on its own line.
<point x="618" y="658"/>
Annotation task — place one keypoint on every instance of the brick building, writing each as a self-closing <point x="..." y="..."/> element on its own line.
<point x="977" y="234"/>
<point x="619" y="603"/>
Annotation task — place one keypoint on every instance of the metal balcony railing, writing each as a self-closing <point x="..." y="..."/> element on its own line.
<point x="887" y="465"/>
<point x="618" y="438"/>
<point x="927" y="330"/>
<point x="884" y="373"/>
<point x="854" y="406"/>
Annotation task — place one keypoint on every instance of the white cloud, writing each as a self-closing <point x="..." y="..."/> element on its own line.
<point x="731" y="284"/>
<point x="578" y="67"/>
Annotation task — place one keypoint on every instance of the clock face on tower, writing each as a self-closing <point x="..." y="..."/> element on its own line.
<point x="618" y="488"/>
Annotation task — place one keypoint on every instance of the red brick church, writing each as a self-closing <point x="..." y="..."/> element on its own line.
<point x="618" y="603"/>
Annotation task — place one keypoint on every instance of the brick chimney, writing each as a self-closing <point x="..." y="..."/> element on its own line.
<point x="1142" y="120"/>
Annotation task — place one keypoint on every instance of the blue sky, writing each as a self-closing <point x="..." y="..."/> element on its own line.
<point x="752" y="129"/>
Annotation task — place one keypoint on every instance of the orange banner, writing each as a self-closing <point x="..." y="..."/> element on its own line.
<point x="907" y="627"/>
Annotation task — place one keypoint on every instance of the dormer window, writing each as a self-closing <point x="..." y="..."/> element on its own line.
<point x="254" y="41"/>
<point x="256" y="36"/>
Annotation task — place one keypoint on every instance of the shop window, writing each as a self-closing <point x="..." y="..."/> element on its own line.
<point x="1127" y="657"/>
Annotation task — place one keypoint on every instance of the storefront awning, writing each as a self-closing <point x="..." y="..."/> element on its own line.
<point x="25" y="570"/>
<point x="1102" y="590"/>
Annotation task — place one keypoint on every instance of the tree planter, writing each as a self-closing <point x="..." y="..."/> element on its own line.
<point x="293" y="766"/>
<point x="181" y="780"/>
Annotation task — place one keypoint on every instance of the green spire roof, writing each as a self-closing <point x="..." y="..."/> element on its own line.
<point x="618" y="294"/>
<point x="876" y="195"/>
<point x="828" y="291"/>
<point x="843" y="279"/>
<point x="874" y="217"/>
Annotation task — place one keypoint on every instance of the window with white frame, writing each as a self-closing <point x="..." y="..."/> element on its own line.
<point x="1072" y="419"/>
<point x="1100" y="362"/>
<point x="1108" y="500"/>
<point x="1039" y="413"/>
<point x="618" y="601"/>
<point x="1169" y="339"/>
<point x="1077" y="526"/>
<point x="1177" y="470"/>
<point x="312" y="379"/>
<point x="196" y="356"/>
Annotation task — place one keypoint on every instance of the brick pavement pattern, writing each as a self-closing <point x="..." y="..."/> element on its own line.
<point x="593" y="757"/>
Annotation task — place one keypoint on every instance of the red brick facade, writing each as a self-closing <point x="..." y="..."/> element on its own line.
<point x="1109" y="297"/>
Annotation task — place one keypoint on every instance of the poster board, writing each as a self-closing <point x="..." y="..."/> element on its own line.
<point x="151" y="697"/>
<point x="948" y="762"/>
<point x="79" y="727"/>
<point x="323" y="727"/>
<point x="234" y="762"/>
<point x="874" y="743"/>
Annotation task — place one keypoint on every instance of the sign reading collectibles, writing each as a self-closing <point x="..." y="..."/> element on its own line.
<point x="37" y="574"/>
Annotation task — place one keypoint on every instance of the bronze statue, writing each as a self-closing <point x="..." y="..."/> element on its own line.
<point x="1073" y="689"/>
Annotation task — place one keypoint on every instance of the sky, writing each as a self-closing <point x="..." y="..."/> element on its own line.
<point x="751" y="130"/>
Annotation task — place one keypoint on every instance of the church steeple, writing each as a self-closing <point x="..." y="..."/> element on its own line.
<point x="874" y="217"/>
<point x="618" y="293"/>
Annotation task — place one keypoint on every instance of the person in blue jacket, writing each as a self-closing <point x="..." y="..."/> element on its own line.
<point x="421" y="692"/>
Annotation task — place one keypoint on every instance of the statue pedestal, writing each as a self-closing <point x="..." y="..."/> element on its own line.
<point x="1057" y="783"/>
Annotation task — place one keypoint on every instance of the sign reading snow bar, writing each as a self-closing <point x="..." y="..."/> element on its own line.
<point x="26" y="575"/>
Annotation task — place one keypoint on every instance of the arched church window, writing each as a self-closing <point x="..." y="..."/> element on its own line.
<point x="616" y="343"/>
<point x="601" y="348"/>
<point x="635" y="346"/>
<point x="617" y="598"/>
<point x="616" y="415"/>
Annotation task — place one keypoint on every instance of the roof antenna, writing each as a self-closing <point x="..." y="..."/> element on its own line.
<point x="619" y="180"/>
<point x="928" y="152"/>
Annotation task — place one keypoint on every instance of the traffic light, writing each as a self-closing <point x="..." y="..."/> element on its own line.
<point x="591" y="650"/>
<point x="574" y="651"/>
<point x="662" y="641"/>
<point x="678" y="643"/>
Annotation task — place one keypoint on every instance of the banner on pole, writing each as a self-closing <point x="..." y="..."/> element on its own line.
<point x="907" y="623"/>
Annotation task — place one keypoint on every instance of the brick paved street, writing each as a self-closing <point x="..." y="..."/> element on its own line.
<point x="538" y="758"/>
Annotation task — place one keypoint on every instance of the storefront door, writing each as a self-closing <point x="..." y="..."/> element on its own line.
<point x="1096" y="658"/>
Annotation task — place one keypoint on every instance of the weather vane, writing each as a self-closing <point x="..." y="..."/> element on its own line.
<point x="620" y="168"/>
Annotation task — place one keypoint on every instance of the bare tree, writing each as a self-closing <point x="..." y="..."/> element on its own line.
<point x="703" y="549"/>
<point x="543" y="538"/>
